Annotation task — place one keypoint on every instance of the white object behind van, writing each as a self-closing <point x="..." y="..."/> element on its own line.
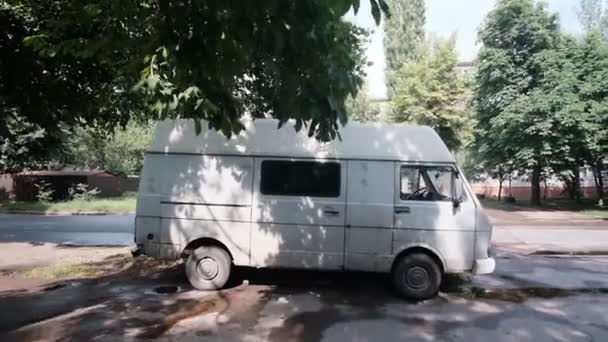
<point x="386" y="198"/>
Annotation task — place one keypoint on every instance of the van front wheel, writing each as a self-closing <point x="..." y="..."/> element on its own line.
<point x="208" y="268"/>
<point x="416" y="276"/>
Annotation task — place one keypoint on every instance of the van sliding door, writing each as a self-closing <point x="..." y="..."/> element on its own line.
<point x="369" y="215"/>
<point x="298" y="213"/>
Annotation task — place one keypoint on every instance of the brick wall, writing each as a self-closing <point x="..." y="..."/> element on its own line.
<point x="520" y="192"/>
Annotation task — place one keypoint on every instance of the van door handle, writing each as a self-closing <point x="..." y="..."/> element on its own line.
<point x="330" y="211"/>
<point x="402" y="210"/>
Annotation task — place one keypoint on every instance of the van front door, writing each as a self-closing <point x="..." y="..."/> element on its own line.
<point x="298" y="213"/>
<point x="425" y="214"/>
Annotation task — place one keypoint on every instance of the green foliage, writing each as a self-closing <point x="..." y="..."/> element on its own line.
<point x="539" y="94"/>
<point x="214" y="60"/>
<point x="120" y="151"/>
<point x="430" y="91"/>
<point x="519" y="97"/>
<point x="360" y="108"/>
<point x="44" y="191"/>
<point x="81" y="192"/>
<point x="101" y="63"/>
<point x="403" y="33"/>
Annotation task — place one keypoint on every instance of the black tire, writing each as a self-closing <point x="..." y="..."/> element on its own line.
<point x="208" y="267"/>
<point x="416" y="276"/>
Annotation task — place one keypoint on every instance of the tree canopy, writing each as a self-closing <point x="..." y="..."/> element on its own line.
<point x="403" y="32"/>
<point x="70" y="62"/>
<point x="538" y="95"/>
<point x="430" y="91"/>
<point x="360" y="108"/>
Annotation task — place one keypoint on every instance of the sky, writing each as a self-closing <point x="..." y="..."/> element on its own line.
<point x="444" y="17"/>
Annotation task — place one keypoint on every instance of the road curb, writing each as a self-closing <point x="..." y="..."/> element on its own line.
<point x="543" y="252"/>
<point x="57" y="213"/>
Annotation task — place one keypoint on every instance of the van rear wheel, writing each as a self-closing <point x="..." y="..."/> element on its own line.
<point x="416" y="276"/>
<point x="208" y="268"/>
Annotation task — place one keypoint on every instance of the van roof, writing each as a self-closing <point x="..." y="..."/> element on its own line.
<point x="262" y="138"/>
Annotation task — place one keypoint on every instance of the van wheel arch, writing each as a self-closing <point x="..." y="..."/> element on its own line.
<point x="419" y="249"/>
<point x="196" y="243"/>
<point x="417" y="273"/>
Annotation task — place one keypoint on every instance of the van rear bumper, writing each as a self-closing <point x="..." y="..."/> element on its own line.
<point x="484" y="266"/>
<point x="160" y="250"/>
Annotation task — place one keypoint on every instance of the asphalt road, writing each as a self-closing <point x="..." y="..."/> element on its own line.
<point x="77" y="230"/>
<point x="118" y="230"/>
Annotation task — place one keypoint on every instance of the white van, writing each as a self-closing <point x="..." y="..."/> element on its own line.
<point x="386" y="198"/>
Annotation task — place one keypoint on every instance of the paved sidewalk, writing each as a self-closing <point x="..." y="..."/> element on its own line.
<point x="543" y="218"/>
<point x="570" y="239"/>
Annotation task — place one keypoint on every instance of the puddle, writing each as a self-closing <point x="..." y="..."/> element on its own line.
<point x="167" y="289"/>
<point x="54" y="287"/>
<point x="60" y="286"/>
<point x="521" y="295"/>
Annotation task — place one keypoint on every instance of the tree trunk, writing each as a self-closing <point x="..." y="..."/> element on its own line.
<point x="510" y="188"/>
<point x="599" y="180"/>
<point x="576" y="183"/>
<point x="535" y="200"/>
<point x="500" y="181"/>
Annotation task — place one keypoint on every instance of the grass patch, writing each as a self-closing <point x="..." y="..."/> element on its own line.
<point x="116" y="205"/>
<point x="601" y="214"/>
<point x="60" y="271"/>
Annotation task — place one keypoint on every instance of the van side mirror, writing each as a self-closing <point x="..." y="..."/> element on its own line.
<point x="457" y="189"/>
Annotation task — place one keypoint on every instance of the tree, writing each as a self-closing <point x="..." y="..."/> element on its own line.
<point x="525" y="93"/>
<point x="591" y="64"/>
<point x="430" y="91"/>
<point x="360" y="108"/>
<point x="593" y="16"/>
<point x="103" y="62"/>
<point x="403" y="32"/>
<point x="120" y="152"/>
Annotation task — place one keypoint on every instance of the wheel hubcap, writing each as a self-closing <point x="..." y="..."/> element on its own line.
<point x="417" y="277"/>
<point x="208" y="268"/>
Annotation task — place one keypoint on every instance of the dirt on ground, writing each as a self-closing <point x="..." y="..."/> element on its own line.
<point x="32" y="267"/>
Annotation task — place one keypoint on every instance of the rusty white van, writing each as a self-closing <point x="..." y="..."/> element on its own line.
<point x="384" y="198"/>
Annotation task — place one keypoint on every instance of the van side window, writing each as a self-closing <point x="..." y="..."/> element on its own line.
<point x="300" y="178"/>
<point x="426" y="183"/>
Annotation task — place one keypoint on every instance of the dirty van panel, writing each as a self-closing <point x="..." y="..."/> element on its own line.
<point x="298" y="213"/>
<point x="455" y="248"/>
<point x="234" y="235"/>
<point x="206" y="212"/>
<point x="297" y="246"/>
<point x="200" y="179"/>
<point x="369" y="217"/>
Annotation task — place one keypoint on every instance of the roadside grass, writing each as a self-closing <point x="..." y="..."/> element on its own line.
<point x="601" y="214"/>
<point x="118" y="265"/>
<point x="117" y="205"/>
<point x="587" y="207"/>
